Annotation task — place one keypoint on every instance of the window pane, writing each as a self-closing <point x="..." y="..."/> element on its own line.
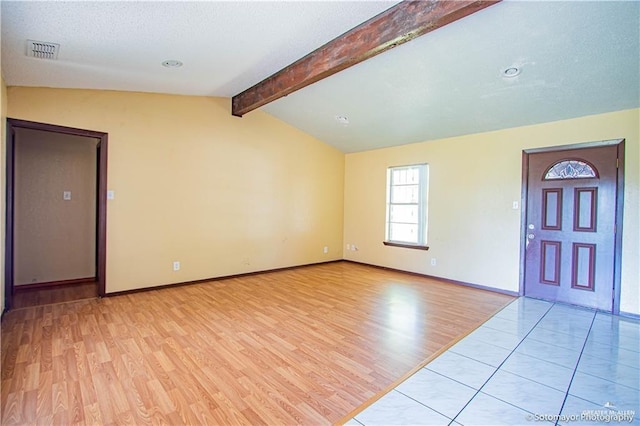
<point x="399" y="176"/>
<point x="404" y="176"/>
<point x="570" y="169"/>
<point x="413" y="176"/>
<point x="404" y="194"/>
<point x="407" y="189"/>
<point x="403" y="232"/>
<point x="404" y="214"/>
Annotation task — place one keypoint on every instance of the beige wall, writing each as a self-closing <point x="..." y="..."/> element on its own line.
<point x="54" y="239"/>
<point x="474" y="233"/>
<point x="222" y="195"/>
<point x="225" y="195"/>
<point x="3" y="150"/>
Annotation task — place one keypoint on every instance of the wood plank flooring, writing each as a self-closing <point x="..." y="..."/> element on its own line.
<point x="302" y="346"/>
<point x="54" y="294"/>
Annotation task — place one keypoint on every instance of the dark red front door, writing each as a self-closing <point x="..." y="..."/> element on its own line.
<point x="570" y="226"/>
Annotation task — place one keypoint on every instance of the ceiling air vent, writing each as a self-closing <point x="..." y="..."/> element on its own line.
<point x="42" y="49"/>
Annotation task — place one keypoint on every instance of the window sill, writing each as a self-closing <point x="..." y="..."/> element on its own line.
<point x="409" y="246"/>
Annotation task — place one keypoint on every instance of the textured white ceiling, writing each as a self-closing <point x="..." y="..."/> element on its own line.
<point x="577" y="58"/>
<point x="226" y="46"/>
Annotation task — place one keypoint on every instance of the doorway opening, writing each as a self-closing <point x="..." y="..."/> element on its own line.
<point x="56" y="192"/>
<point x="572" y="224"/>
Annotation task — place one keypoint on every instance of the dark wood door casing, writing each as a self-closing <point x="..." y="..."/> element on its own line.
<point x="8" y="254"/>
<point x="101" y="219"/>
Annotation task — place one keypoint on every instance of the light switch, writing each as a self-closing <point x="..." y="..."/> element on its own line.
<point x="515" y="205"/>
<point x="66" y="195"/>
<point x="110" y="195"/>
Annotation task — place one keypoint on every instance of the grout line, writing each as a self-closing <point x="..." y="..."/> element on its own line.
<point x="473" y="359"/>
<point x="498" y="368"/>
<point x="358" y="421"/>
<point x="424" y="405"/>
<point x="534" y="380"/>
<point x="575" y="369"/>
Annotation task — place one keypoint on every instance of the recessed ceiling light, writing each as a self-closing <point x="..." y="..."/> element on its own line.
<point x="510" y="72"/>
<point x="172" y="63"/>
<point x="342" y="119"/>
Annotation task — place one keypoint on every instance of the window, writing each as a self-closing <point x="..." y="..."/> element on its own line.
<point x="570" y="169"/>
<point x="407" y="206"/>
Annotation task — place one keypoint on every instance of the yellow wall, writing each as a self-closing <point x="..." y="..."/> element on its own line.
<point x="474" y="233"/>
<point x="3" y="150"/>
<point x="225" y="195"/>
<point x="222" y="195"/>
<point x="54" y="239"/>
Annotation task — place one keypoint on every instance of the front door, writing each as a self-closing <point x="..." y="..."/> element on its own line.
<point x="571" y="225"/>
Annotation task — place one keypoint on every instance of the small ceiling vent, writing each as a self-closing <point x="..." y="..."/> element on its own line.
<point x="42" y="49"/>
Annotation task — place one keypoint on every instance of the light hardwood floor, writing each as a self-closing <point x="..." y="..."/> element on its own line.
<point x="302" y="346"/>
<point x="55" y="294"/>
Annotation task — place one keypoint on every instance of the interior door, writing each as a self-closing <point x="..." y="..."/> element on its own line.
<point x="570" y="226"/>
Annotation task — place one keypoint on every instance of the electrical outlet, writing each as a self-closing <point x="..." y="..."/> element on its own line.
<point x="348" y="246"/>
<point x="433" y="261"/>
<point x="176" y="266"/>
<point x="66" y="195"/>
<point x="325" y="250"/>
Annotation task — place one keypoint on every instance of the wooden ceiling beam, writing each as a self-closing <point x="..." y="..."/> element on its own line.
<point x="393" y="27"/>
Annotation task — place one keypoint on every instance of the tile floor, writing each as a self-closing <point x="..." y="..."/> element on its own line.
<point x="534" y="362"/>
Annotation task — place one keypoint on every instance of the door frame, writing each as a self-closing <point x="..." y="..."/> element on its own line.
<point x="101" y="210"/>
<point x="617" y="251"/>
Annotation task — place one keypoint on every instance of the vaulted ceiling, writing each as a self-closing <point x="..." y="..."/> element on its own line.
<point x="573" y="58"/>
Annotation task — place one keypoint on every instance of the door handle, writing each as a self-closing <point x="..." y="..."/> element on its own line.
<point x="530" y="237"/>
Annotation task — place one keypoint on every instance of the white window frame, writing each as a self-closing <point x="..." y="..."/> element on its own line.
<point x="422" y="204"/>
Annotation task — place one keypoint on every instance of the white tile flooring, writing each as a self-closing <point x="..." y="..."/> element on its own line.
<point x="531" y="363"/>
